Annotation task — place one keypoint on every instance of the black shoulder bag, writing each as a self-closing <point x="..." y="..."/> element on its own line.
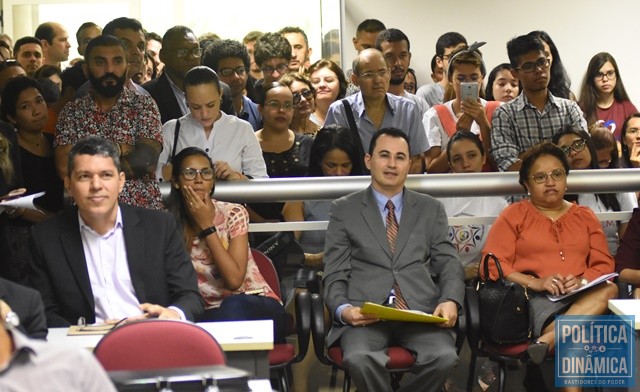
<point x="354" y="132"/>
<point x="504" y="308"/>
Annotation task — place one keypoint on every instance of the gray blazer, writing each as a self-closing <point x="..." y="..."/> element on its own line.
<point x="359" y="265"/>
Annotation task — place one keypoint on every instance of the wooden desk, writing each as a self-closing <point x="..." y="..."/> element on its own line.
<point x="245" y="343"/>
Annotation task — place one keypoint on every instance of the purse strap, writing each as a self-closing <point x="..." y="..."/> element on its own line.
<point x="354" y="130"/>
<point x="176" y="132"/>
<point x="486" y="266"/>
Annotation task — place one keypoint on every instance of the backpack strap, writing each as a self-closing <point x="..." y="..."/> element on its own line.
<point x="354" y="131"/>
<point x="175" y="140"/>
<point x="448" y="123"/>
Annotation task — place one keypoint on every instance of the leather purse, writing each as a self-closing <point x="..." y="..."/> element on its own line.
<point x="504" y="307"/>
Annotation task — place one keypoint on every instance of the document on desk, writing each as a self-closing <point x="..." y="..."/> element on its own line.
<point x="393" y="314"/>
<point x="97" y="329"/>
<point x="594" y="282"/>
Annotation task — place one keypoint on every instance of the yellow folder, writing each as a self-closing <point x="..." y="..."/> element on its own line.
<point x="393" y="314"/>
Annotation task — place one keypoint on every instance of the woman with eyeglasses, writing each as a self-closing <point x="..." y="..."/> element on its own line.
<point x="582" y="155"/>
<point x="472" y="114"/>
<point x="551" y="246"/>
<point x="229" y="141"/>
<point x="215" y="235"/>
<point x="304" y="103"/>
<point x="603" y="98"/>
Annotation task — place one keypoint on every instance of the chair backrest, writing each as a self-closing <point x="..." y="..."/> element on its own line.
<point x="158" y="344"/>
<point x="267" y="270"/>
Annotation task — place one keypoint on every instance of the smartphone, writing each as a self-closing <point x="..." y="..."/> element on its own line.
<point x="469" y="91"/>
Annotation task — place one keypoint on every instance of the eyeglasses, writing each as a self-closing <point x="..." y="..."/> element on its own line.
<point x="281" y="68"/>
<point x="609" y="75"/>
<point x="183" y="53"/>
<point x="230" y="71"/>
<point x="531" y="66"/>
<point x="190" y="173"/>
<point x="275" y="105"/>
<point x="576" y="146"/>
<point x="306" y="93"/>
<point x="370" y="75"/>
<point x="556" y="175"/>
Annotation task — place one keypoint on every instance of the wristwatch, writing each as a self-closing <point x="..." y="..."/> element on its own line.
<point x="11" y="320"/>
<point x="206" y="232"/>
<point x="584" y="282"/>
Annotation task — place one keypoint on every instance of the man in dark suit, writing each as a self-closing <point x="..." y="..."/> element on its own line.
<point x="104" y="261"/>
<point x="389" y="245"/>
<point x="27" y="304"/>
<point x="180" y="52"/>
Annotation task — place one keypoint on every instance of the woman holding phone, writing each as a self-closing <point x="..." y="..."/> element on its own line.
<point x="467" y="111"/>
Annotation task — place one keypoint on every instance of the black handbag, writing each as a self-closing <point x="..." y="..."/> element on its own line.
<point x="504" y="308"/>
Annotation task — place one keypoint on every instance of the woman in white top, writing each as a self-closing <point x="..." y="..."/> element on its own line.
<point x="229" y="141"/>
<point x="471" y="114"/>
<point x="581" y="154"/>
<point x="466" y="154"/>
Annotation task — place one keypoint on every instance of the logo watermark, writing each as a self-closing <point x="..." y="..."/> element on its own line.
<point x="595" y="351"/>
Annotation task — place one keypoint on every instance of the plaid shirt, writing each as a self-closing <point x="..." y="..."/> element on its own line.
<point x="518" y="125"/>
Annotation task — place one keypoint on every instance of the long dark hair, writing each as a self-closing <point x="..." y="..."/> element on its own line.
<point x="329" y="138"/>
<point x="626" y="154"/>
<point x="175" y="203"/>
<point x="559" y="82"/>
<point x="608" y="199"/>
<point x="589" y="93"/>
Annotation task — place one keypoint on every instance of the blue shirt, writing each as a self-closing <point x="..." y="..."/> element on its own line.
<point x="400" y="113"/>
<point x="250" y="113"/>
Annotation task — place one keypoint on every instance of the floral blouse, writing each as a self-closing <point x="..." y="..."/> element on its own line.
<point x="231" y="220"/>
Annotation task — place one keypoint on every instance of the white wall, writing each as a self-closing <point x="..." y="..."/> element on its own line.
<point x="580" y="29"/>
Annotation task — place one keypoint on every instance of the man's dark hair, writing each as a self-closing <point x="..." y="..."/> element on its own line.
<point x="370" y="26"/>
<point x="93" y="146"/>
<point x="225" y="49"/>
<point x="175" y="31"/>
<point x="292" y="29"/>
<point x="24" y="41"/>
<point x="521" y="45"/>
<point x="391" y="35"/>
<point x="448" y="40"/>
<point x="122" y="23"/>
<point x="434" y="63"/>
<point x="84" y="26"/>
<point x="103" y="40"/>
<point x="271" y="45"/>
<point x="45" y="32"/>
<point x="151" y="36"/>
<point x="201" y="75"/>
<point x="392" y="132"/>
<point x="11" y="93"/>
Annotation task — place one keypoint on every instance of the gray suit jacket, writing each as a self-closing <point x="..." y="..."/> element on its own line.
<point x="359" y="265"/>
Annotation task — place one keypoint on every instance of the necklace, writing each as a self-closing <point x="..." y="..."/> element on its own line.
<point x="37" y="143"/>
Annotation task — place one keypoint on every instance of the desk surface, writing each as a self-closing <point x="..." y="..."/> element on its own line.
<point x="626" y="307"/>
<point x="232" y="335"/>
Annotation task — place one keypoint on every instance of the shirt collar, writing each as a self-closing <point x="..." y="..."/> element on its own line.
<point x="359" y="107"/>
<point x="521" y="101"/>
<point x="87" y="228"/>
<point x="381" y="200"/>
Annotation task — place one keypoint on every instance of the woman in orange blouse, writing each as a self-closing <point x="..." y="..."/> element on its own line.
<point x="551" y="246"/>
<point x="215" y="234"/>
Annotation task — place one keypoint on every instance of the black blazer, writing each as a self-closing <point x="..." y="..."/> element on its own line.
<point x="161" y="91"/>
<point x="26" y="302"/>
<point x="160" y="268"/>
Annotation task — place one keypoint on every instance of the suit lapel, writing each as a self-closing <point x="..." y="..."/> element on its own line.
<point x="134" y="243"/>
<point x="407" y="221"/>
<point x="373" y="219"/>
<point x="74" y="253"/>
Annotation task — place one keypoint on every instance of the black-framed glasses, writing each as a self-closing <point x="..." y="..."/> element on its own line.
<point x="370" y="75"/>
<point x="609" y="75"/>
<point x="191" y="173"/>
<point x="183" y="53"/>
<point x="556" y="175"/>
<point x="542" y="63"/>
<point x="577" y="146"/>
<point x="275" y="105"/>
<point x="306" y="94"/>
<point x="230" y="71"/>
<point x="281" y="68"/>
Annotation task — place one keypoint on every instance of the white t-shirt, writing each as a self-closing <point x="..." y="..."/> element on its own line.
<point x="436" y="134"/>
<point x="231" y="140"/>
<point x="469" y="239"/>
<point x="627" y="202"/>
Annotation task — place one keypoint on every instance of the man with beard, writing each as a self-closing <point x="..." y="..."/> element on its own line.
<point x="396" y="49"/>
<point x="373" y="108"/>
<point x="111" y="111"/>
<point x="535" y="115"/>
<point x="180" y="52"/>
<point x="230" y="60"/>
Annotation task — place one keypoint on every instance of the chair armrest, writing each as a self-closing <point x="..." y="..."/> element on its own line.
<point x="318" y="328"/>
<point x="472" y="308"/>
<point x="303" y="324"/>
